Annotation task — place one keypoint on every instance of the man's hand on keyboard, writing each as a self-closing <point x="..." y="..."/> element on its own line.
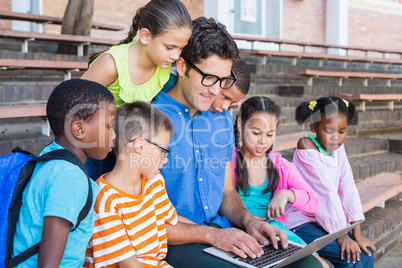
<point x="266" y="233"/>
<point x="236" y="241"/>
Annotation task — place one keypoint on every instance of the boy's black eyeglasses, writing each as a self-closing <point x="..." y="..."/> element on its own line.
<point x="165" y="151"/>
<point x="209" y="80"/>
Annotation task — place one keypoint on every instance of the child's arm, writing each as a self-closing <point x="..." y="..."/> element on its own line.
<point x="276" y="206"/>
<point x="292" y="189"/>
<point x="305" y="198"/>
<point x="131" y="262"/>
<point x="102" y="71"/>
<point x="363" y="242"/>
<point x="347" y="190"/>
<point x="54" y="239"/>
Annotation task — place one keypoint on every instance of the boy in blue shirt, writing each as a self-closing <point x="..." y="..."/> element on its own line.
<point x="233" y="95"/>
<point x="80" y="114"/>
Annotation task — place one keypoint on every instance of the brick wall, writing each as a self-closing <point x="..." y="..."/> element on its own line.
<point x="304" y="20"/>
<point x="111" y="11"/>
<point x="374" y="29"/>
<point x="5" y="5"/>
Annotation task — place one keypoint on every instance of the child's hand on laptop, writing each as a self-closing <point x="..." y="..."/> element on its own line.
<point x="276" y="207"/>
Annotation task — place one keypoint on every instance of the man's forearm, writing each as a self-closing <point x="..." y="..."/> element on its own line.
<point x="233" y="209"/>
<point x="187" y="233"/>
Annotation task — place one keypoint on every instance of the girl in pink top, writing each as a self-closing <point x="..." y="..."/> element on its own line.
<point x="323" y="163"/>
<point x="266" y="182"/>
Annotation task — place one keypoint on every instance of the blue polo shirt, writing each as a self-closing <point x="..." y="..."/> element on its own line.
<point x="195" y="172"/>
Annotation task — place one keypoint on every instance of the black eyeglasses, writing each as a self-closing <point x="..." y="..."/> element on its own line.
<point x="209" y="80"/>
<point x="165" y="151"/>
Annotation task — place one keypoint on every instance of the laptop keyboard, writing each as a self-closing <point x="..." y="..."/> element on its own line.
<point x="271" y="255"/>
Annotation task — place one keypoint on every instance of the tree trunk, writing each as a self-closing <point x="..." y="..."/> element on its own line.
<point x="77" y="20"/>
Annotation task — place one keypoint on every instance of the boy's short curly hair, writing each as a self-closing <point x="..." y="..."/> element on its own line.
<point x="75" y="99"/>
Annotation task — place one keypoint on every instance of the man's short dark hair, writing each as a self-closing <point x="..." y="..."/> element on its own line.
<point x="209" y="38"/>
<point x="75" y="99"/>
<point x="242" y="72"/>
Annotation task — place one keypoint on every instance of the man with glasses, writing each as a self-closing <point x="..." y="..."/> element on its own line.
<point x="198" y="175"/>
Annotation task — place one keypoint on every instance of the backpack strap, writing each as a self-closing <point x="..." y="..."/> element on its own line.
<point x="62" y="154"/>
<point x="72" y="158"/>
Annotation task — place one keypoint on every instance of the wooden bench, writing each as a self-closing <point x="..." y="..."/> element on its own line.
<point x="28" y="110"/>
<point x="321" y="57"/>
<point x="66" y="66"/>
<point x="373" y="97"/>
<point x="304" y="45"/>
<point x="340" y="75"/>
<point x="374" y="191"/>
<point x="8" y="15"/>
<point x="78" y="40"/>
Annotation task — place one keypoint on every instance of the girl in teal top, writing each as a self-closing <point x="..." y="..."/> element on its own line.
<point x="256" y="202"/>
<point x="136" y="70"/>
<point x="267" y="183"/>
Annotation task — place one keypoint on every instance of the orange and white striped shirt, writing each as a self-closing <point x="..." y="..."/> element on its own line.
<point x="131" y="225"/>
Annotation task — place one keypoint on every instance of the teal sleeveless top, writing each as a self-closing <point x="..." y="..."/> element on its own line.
<point x="257" y="202"/>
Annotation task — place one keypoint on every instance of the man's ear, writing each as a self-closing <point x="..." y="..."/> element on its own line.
<point x="144" y="36"/>
<point x="239" y="125"/>
<point x="78" y="129"/>
<point x="181" y="66"/>
<point x="312" y="127"/>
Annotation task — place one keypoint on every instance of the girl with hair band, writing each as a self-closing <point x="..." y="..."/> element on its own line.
<point x="266" y="182"/>
<point x="323" y="163"/>
<point x="137" y="69"/>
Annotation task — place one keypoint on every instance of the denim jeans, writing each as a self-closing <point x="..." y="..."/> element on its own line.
<point x="312" y="230"/>
<point x="96" y="168"/>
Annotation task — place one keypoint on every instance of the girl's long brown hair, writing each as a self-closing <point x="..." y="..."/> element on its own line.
<point x="247" y="110"/>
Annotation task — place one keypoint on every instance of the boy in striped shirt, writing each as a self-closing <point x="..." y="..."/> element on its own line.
<point x="132" y="205"/>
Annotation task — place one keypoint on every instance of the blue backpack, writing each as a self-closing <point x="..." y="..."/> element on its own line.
<point x="15" y="172"/>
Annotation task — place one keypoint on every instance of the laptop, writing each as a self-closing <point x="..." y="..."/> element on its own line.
<point x="280" y="257"/>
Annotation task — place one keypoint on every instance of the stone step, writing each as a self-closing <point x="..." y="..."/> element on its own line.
<point x="372" y="116"/>
<point x="45" y="50"/>
<point x="40" y="55"/>
<point x="19" y="91"/>
<point x="28" y="142"/>
<point x="383" y="226"/>
<point x="370" y="165"/>
<point x="395" y="144"/>
<point x="14" y="127"/>
<point x="356" y="147"/>
<point x="313" y="93"/>
<point x="374" y="191"/>
<point x="257" y="63"/>
<point x="391" y="258"/>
